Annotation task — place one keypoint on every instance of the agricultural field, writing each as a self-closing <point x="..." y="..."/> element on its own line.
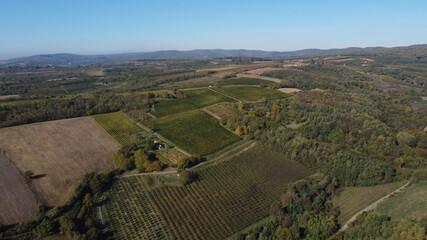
<point x="229" y="196"/>
<point x="244" y="81"/>
<point x="119" y="127"/>
<point x="130" y="212"/>
<point x="193" y="99"/>
<point x="410" y="203"/>
<point x="354" y="199"/>
<point x="172" y="154"/>
<point x="251" y="93"/>
<point x="195" y="131"/>
<point x="221" y="111"/>
<point x="59" y="153"/>
<point x="17" y="202"/>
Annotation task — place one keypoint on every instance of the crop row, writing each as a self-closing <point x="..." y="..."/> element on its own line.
<point x="173" y="154"/>
<point x="130" y="214"/>
<point x="119" y="127"/>
<point x="228" y="196"/>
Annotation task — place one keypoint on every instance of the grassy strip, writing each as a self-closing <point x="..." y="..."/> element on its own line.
<point x="410" y="203"/>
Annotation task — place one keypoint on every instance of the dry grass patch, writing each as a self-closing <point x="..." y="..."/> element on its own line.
<point x="60" y="152"/>
<point x="8" y="97"/>
<point x="262" y="70"/>
<point x="290" y="90"/>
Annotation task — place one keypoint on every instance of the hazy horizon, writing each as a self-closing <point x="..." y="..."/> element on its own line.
<point x="112" y="27"/>
<point x="113" y="53"/>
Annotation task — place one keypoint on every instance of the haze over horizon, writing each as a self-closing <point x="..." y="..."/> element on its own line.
<point x="110" y="27"/>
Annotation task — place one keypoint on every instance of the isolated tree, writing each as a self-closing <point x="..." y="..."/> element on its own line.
<point x="122" y="161"/>
<point x="187" y="162"/>
<point x="28" y="175"/>
<point x="140" y="157"/>
<point x="187" y="177"/>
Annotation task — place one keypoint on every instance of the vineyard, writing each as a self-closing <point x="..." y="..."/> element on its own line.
<point x="119" y="127"/>
<point x="229" y="196"/>
<point x="127" y="220"/>
<point x="193" y="99"/>
<point x="245" y="81"/>
<point x="172" y="154"/>
<point x="195" y="131"/>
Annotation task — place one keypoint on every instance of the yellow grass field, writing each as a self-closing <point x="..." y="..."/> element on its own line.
<point x="59" y="152"/>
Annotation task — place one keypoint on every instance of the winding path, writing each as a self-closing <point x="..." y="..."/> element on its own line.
<point x="373" y="206"/>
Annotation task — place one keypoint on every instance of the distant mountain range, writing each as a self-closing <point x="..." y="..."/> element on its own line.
<point x="62" y="59"/>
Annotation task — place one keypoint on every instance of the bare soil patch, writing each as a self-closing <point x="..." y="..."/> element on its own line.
<point x="289" y="90"/>
<point x="7" y="97"/>
<point x="61" y="152"/>
<point x="294" y="64"/>
<point x="96" y="72"/>
<point x="218" y="68"/>
<point x="245" y="75"/>
<point x="318" y="90"/>
<point x="262" y="70"/>
<point x="17" y="202"/>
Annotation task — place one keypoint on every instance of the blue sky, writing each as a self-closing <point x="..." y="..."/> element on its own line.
<point x="30" y="27"/>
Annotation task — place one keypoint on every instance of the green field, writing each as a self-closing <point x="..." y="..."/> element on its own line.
<point x="245" y="81"/>
<point x="195" y="131"/>
<point x="193" y="99"/>
<point x="119" y="127"/>
<point x="251" y="93"/>
<point x="354" y="199"/>
<point x="228" y="197"/>
<point x="411" y="202"/>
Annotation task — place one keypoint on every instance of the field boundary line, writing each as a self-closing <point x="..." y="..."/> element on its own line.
<point x="157" y="135"/>
<point x="204" y="109"/>
<point x="149" y="174"/>
<point x="213" y="90"/>
<point x="214" y="161"/>
<point x="151" y="115"/>
<point x="374" y="205"/>
<point x="99" y="125"/>
<point x="210" y="112"/>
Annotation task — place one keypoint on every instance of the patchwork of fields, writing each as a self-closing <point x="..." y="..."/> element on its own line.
<point x="119" y="127"/>
<point x="59" y="153"/>
<point x="229" y="196"/>
<point x="193" y="99"/>
<point x="195" y="131"/>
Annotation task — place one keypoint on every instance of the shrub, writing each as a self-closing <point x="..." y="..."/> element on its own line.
<point x="187" y="162"/>
<point x="405" y="138"/>
<point x="45" y="228"/>
<point x="187" y="177"/>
